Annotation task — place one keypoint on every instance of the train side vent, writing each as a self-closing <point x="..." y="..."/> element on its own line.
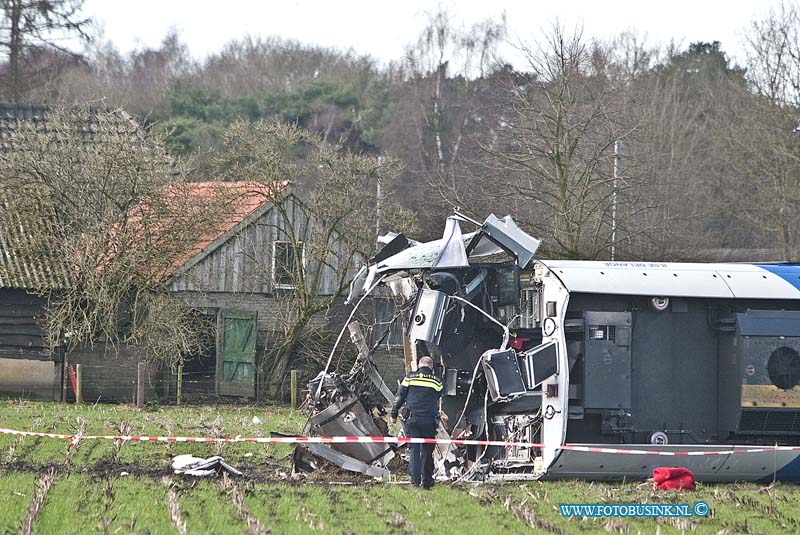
<point x="770" y="421"/>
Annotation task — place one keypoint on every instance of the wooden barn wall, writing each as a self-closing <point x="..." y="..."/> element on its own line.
<point x="243" y="263"/>
<point x="21" y="334"/>
<point x="26" y="368"/>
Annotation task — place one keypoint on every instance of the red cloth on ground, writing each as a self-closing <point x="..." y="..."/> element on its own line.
<point x="673" y="478"/>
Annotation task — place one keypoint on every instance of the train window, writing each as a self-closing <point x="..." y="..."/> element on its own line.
<point x="507" y="286"/>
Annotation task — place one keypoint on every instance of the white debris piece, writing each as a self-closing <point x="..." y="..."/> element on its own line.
<point x="256" y="420"/>
<point x="190" y="465"/>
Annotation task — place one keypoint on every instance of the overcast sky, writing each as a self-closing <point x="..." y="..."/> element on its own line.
<point x="381" y="28"/>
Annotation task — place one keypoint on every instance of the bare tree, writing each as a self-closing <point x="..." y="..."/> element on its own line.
<point x="91" y="196"/>
<point x="437" y="100"/>
<point x="758" y="138"/>
<point x="631" y="56"/>
<point x="760" y="154"/>
<point x="28" y="24"/>
<point x="252" y="66"/>
<point x="326" y="222"/>
<point x="671" y="155"/>
<point x="138" y="81"/>
<point x="772" y="47"/>
<point x="551" y="148"/>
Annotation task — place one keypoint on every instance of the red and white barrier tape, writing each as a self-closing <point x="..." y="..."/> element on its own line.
<point x="74" y="438"/>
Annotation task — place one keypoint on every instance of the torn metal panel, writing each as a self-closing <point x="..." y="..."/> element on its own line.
<point x="357" y="285"/>
<point x="346" y="406"/>
<point x="421" y="256"/>
<point x="347" y="417"/>
<point x="495" y="236"/>
<point x="398" y="243"/>
<point x="505" y="233"/>
<point x="453" y="253"/>
<point x="428" y="315"/>
<point x="190" y="465"/>
<point x="389" y="236"/>
<point x="308" y="463"/>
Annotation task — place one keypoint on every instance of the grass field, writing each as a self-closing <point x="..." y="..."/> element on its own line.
<point x="47" y="488"/>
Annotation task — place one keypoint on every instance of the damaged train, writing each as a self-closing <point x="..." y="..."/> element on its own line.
<point x="639" y="355"/>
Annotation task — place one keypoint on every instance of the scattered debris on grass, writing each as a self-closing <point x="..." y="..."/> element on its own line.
<point x="188" y="464"/>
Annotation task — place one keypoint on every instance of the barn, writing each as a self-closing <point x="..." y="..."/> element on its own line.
<point x="237" y="276"/>
<point x="240" y="278"/>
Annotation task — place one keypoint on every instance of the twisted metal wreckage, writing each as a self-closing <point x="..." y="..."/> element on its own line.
<point x="646" y="356"/>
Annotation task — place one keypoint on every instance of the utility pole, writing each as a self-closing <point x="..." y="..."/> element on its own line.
<point x="379" y="196"/>
<point x="614" y="183"/>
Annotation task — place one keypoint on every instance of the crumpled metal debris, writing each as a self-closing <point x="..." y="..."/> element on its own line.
<point x="349" y="411"/>
<point x="188" y="464"/>
<point x="459" y="295"/>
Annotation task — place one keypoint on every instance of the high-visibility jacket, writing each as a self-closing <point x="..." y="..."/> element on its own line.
<point x="419" y="392"/>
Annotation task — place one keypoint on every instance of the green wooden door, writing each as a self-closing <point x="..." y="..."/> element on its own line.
<point x="236" y="355"/>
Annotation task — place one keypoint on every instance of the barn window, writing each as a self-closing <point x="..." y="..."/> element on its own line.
<point x="285" y="257"/>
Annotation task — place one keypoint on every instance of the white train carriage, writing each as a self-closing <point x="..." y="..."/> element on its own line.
<point x="667" y="357"/>
<point x="672" y="357"/>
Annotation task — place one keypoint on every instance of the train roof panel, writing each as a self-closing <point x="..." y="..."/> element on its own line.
<point x="672" y="279"/>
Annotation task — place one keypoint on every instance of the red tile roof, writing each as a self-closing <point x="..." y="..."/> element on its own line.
<point x="190" y="221"/>
<point x="242" y="199"/>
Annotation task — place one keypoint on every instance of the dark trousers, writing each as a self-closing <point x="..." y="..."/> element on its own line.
<point x="420" y="465"/>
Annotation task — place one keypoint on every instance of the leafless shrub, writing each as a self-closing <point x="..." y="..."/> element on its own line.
<point x="122" y="428"/>
<point x="97" y="205"/>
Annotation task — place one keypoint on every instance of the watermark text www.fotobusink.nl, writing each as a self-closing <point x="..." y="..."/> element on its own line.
<point x="634" y="510"/>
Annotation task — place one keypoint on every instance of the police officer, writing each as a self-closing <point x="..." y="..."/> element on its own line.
<point x="420" y="392"/>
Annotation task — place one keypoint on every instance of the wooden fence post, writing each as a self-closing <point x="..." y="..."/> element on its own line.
<point x="180" y="385"/>
<point x="78" y="383"/>
<point x="64" y="379"/>
<point x="293" y="388"/>
<point x="140" y="385"/>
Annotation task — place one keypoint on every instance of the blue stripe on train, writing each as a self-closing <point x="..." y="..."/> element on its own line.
<point x="788" y="272"/>
<point x="789" y="473"/>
